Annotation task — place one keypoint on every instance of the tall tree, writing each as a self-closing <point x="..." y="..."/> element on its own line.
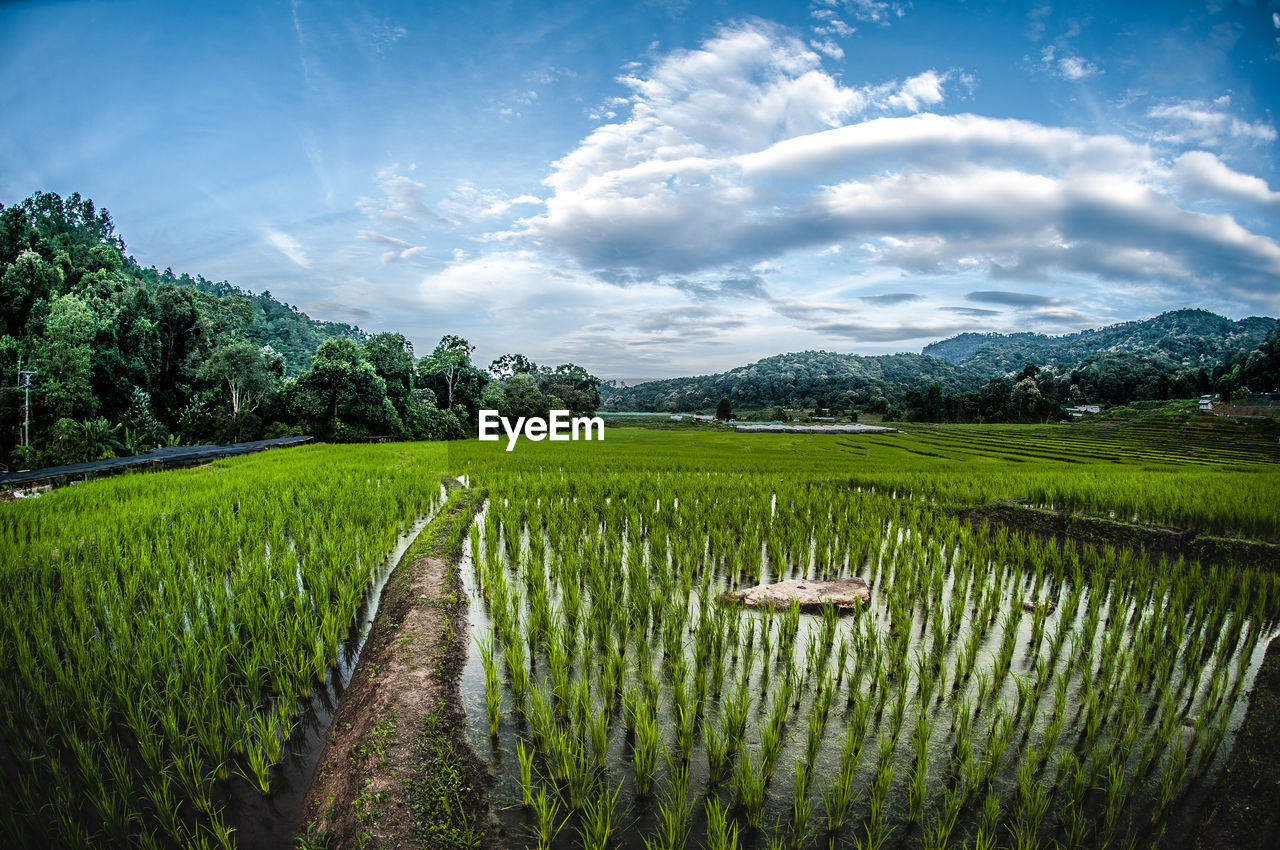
<point x="341" y="396"/>
<point x="248" y="371"/>
<point x="512" y="364"/>
<point x="63" y="366"/>
<point x="392" y="358"/>
<point x="448" y="364"/>
<point x="25" y="281"/>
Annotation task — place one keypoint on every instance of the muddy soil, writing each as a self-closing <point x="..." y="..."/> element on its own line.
<point x="363" y="794"/>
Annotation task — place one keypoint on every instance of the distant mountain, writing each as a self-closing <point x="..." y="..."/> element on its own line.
<point x="1185" y="339"/>
<point x="1132" y="359"/>
<point x="802" y="379"/>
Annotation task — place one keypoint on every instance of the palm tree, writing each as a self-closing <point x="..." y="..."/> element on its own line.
<point x="100" y="437"/>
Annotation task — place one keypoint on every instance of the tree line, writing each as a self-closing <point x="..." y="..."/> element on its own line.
<point x="970" y="379"/>
<point x="125" y="358"/>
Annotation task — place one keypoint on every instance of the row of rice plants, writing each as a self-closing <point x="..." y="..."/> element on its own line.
<point x="163" y="633"/>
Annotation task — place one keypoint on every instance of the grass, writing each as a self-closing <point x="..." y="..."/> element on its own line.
<point x="441" y="793"/>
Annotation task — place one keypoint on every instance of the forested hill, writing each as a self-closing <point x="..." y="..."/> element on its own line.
<point x="803" y="379"/>
<point x="122" y="359"/>
<point x="292" y="334"/>
<point x="1186" y="339"/>
<point x="995" y="377"/>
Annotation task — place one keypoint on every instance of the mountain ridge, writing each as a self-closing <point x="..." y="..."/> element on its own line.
<point x="1174" y="342"/>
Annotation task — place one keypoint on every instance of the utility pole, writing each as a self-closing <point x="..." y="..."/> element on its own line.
<point x="24" y="383"/>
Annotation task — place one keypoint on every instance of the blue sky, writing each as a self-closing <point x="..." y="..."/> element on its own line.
<point x="668" y="188"/>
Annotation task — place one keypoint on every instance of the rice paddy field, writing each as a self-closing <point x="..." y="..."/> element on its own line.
<point x="171" y="641"/>
<point x="998" y="690"/>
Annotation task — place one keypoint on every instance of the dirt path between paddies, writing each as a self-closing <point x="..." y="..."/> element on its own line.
<point x="397" y="771"/>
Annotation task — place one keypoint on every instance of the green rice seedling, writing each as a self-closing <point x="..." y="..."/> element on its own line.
<point x="919" y="783"/>
<point x="749" y="785"/>
<point x="581" y="706"/>
<point x="632" y="705"/>
<point x="1213" y="741"/>
<point x="685" y="719"/>
<point x="573" y="768"/>
<point x="164" y="802"/>
<point x="545" y="809"/>
<point x="814" y="740"/>
<point x="830" y="619"/>
<point x="734" y="721"/>
<point x="492" y="688"/>
<point x="722" y="833"/>
<point x="1001" y="732"/>
<point x="770" y="745"/>
<point x="1026" y="690"/>
<point x="897" y="714"/>
<point x="673" y="811"/>
<point x="1116" y="790"/>
<point x="525" y="758"/>
<point x="716" y="744"/>
<point x="801" y="806"/>
<point x="513" y="654"/>
<point x="790" y="625"/>
<point x="598" y="733"/>
<point x="877" y="832"/>
<point x="540" y="721"/>
<point x="646" y="751"/>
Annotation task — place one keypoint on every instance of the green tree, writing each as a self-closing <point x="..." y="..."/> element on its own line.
<point x="25" y="281"/>
<point x="64" y="444"/>
<point x="16" y="233"/>
<point x="523" y="398"/>
<point x="508" y="365"/>
<point x="341" y="396"/>
<point x="62" y="382"/>
<point x="183" y="337"/>
<point x="392" y="358"/>
<point x="448" y="372"/>
<point x="724" y="411"/>
<point x="424" y="420"/>
<point x="448" y="365"/>
<point x="247" y="371"/>
<point x="101" y="438"/>
<point x="571" y="388"/>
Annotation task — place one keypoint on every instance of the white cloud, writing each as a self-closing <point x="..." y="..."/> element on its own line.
<point x="876" y="11"/>
<point x="1066" y="66"/>
<point x="828" y="48"/>
<point x="918" y="92"/>
<point x="1198" y="122"/>
<point x="399" y="249"/>
<point x="401" y="201"/>
<point x="287" y="245"/>
<point x="746" y="150"/>
<point x="468" y="202"/>
<point x="1202" y="172"/>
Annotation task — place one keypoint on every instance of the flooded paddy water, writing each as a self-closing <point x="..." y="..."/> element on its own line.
<point x="993" y="689"/>
<point x="265" y="822"/>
